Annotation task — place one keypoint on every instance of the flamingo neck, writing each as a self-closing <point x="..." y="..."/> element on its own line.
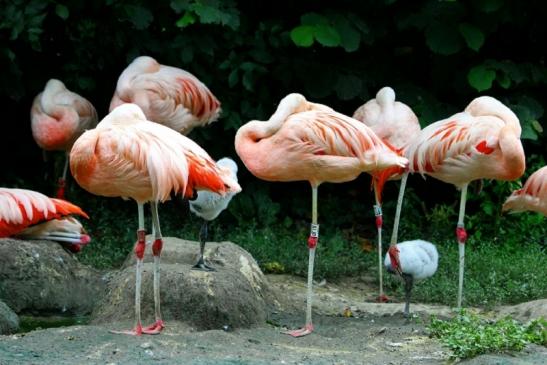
<point x="512" y="152"/>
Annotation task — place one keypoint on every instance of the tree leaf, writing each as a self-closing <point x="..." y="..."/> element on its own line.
<point x="473" y="36"/>
<point x="61" y="11"/>
<point x="187" y="19"/>
<point x="503" y="80"/>
<point x="489" y="6"/>
<point x="537" y="126"/>
<point x="327" y="35"/>
<point x="313" y="19"/>
<point x="233" y="78"/>
<point x="302" y="35"/>
<point x="481" y="77"/>
<point x="442" y="39"/>
<point x="350" y="37"/>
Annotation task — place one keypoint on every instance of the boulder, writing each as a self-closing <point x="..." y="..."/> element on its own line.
<point x="9" y="322"/>
<point x="237" y="294"/>
<point x="41" y="276"/>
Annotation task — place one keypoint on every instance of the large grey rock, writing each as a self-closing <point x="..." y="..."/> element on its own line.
<point x="40" y="276"/>
<point x="237" y="294"/>
<point x="9" y="322"/>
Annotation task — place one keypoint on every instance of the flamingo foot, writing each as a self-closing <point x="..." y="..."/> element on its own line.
<point x="137" y="331"/>
<point x="202" y="266"/>
<point x="154" y="328"/>
<point x="382" y="298"/>
<point x="306" y="330"/>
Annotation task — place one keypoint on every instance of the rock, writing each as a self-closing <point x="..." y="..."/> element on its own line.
<point x="9" y="322"/>
<point x="41" y="276"/>
<point x="236" y="295"/>
<point x="526" y="311"/>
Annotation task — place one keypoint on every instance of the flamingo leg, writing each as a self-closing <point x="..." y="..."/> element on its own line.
<point x="201" y="265"/>
<point x="156" y="327"/>
<point x="139" y="253"/>
<point x="461" y="234"/>
<point x="379" y="221"/>
<point x="399" y="208"/>
<point x="312" y="243"/>
<point x="408" y="289"/>
<point x="61" y="183"/>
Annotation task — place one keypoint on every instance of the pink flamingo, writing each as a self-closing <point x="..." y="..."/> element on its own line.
<point x="167" y="95"/>
<point x="396" y="124"/>
<point x="532" y="196"/>
<point x="127" y="156"/>
<point x="311" y="142"/>
<point x="483" y="142"/>
<point x="32" y="215"/>
<point x="58" y="117"/>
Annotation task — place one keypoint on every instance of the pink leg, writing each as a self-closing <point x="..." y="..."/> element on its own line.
<point x="139" y="253"/>
<point x="156" y="327"/>
<point x="312" y="243"/>
<point x="61" y="183"/>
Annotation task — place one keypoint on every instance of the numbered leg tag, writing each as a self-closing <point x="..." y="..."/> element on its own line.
<point x="377" y="210"/>
<point x="314" y="236"/>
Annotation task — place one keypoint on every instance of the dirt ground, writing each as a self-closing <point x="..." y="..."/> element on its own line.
<point x="373" y="334"/>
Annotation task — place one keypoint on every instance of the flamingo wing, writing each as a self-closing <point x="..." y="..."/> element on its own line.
<point x="20" y="208"/>
<point x="532" y="196"/>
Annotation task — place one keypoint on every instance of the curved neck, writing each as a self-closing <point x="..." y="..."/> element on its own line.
<point x="512" y="151"/>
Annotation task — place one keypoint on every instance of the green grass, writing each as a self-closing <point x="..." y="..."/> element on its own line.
<point x="505" y="263"/>
<point x="468" y="335"/>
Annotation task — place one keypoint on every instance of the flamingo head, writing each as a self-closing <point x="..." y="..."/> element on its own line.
<point x="393" y="253"/>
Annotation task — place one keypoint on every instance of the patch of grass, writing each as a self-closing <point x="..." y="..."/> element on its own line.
<point x="494" y="274"/>
<point x="468" y="335"/>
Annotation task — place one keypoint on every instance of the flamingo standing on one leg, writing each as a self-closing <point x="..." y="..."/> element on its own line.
<point x="208" y="206"/>
<point x="483" y="142"/>
<point x="532" y="196"/>
<point x="167" y="95"/>
<point x="130" y="157"/>
<point x="411" y="261"/>
<point x="395" y="123"/>
<point x="58" y="117"/>
<point x="32" y="215"/>
<point x="311" y="142"/>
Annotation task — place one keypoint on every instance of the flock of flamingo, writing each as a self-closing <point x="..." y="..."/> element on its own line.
<point x="139" y="151"/>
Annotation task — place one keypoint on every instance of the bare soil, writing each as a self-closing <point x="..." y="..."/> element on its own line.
<point x="350" y="329"/>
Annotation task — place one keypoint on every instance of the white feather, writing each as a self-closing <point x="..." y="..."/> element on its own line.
<point x="418" y="258"/>
<point x="209" y="205"/>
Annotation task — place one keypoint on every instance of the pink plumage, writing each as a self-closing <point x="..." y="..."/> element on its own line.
<point x="167" y="95"/>
<point x="532" y="196"/>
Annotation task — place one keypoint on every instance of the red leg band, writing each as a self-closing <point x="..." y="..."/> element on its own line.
<point x="157" y="246"/>
<point x="461" y="234"/>
<point x="141" y="245"/>
<point x="379" y="221"/>
<point x="312" y="241"/>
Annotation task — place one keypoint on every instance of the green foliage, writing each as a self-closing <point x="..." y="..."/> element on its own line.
<point x="469" y="335"/>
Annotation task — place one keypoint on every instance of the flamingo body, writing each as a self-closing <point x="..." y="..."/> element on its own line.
<point x="394" y="122"/>
<point x="532" y="196"/>
<point x="59" y="116"/>
<point x="312" y="143"/>
<point x="417" y="258"/>
<point x="21" y="208"/>
<point x="483" y="142"/>
<point x="126" y="156"/>
<point x="167" y="95"/>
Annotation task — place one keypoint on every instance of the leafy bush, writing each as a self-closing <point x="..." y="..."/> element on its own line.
<point x="468" y="335"/>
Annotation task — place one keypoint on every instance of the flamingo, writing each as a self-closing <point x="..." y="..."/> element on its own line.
<point x="532" y="196"/>
<point x="58" y="117"/>
<point x="208" y="206"/>
<point x="395" y="123"/>
<point x="305" y="141"/>
<point x="167" y="95"/>
<point x="29" y="214"/>
<point x="127" y="156"/>
<point x="483" y="142"/>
